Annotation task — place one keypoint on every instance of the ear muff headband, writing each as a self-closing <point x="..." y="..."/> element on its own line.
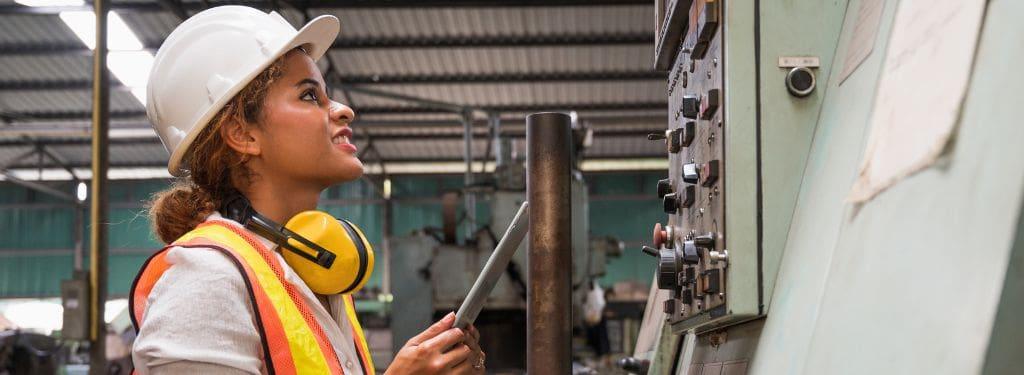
<point x="237" y="208"/>
<point x="360" y="242"/>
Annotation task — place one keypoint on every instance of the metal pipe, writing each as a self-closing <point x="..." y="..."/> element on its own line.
<point x="548" y="314"/>
<point x="467" y="155"/>
<point x="98" y="208"/>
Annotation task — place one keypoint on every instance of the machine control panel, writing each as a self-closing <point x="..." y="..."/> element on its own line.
<point x="690" y="247"/>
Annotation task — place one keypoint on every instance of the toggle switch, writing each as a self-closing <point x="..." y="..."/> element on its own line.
<point x="675" y="142"/>
<point x="709" y="173"/>
<point x="664" y="187"/>
<point x="690" y="106"/>
<point x="690" y="173"/>
<point x="706" y="241"/>
<point x="689" y="196"/>
<point x="712" y="281"/>
<point x="709" y="104"/>
<point x="687" y="133"/>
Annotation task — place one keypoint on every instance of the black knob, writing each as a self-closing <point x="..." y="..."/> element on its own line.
<point x="690" y="106"/>
<point x="669" y="267"/>
<point x="664" y="187"/>
<point x="691" y="173"/>
<point x="670" y="203"/>
<point x="634" y="365"/>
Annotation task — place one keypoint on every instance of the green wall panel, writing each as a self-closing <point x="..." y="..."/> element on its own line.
<point x="31" y="221"/>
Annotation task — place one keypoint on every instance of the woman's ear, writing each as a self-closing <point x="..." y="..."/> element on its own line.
<point x="241" y="138"/>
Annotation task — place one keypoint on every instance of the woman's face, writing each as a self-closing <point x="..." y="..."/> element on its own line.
<point x="304" y="136"/>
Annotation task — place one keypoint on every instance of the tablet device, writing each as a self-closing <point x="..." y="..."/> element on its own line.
<point x="495" y="266"/>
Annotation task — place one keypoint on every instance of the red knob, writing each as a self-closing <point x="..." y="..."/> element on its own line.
<point x="660" y="236"/>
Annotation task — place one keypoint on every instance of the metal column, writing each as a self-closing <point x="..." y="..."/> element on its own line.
<point x="467" y="153"/>
<point x="549" y="305"/>
<point x="98" y="209"/>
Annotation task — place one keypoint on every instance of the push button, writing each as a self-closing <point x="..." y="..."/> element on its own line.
<point x="689" y="196"/>
<point x="690" y="106"/>
<point x="709" y="104"/>
<point x="709" y="173"/>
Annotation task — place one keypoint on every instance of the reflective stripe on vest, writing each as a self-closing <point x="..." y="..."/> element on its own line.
<point x="293" y="341"/>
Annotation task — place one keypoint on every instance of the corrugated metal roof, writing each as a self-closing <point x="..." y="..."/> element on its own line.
<point x="489" y="21"/>
<point x="57" y="101"/>
<point x="629" y="99"/>
<point x="21" y="68"/>
<point x="451" y="61"/>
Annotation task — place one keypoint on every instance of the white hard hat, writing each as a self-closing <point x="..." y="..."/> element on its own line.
<point x="211" y="57"/>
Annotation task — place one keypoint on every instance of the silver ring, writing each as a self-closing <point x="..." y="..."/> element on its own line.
<point x="479" y="364"/>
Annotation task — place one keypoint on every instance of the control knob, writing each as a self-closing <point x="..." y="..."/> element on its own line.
<point x="664" y="187"/>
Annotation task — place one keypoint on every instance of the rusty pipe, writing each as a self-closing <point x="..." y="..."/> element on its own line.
<point x="549" y="304"/>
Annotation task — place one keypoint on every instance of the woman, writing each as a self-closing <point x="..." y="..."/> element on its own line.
<point x="238" y="101"/>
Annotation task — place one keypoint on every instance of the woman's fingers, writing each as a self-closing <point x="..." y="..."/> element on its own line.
<point x="456" y="356"/>
<point x="442" y="325"/>
<point x="474" y="332"/>
<point x="445" y="340"/>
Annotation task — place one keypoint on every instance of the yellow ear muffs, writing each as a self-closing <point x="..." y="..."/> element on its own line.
<point x="352" y="263"/>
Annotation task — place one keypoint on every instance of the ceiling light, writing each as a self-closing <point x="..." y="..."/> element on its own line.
<point x="50" y="3"/>
<point x="119" y="36"/>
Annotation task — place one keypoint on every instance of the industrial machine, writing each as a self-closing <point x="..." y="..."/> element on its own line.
<point x="432" y="269"/>
<point x="763" y="264"/>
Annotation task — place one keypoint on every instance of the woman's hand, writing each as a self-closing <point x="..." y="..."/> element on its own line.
<point x="475" y="363"/>
<point x="440" y="349"/>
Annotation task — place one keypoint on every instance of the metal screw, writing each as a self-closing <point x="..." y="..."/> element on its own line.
<point x="709" y="74"/>
<point x="719" y="123"/>
<point x="716" y="190"/>
<point x="709" y="196"/>
<point x="714" y="61"/>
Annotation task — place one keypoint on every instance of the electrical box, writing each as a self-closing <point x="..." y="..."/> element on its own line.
<point x="740" y="122"/>
<point x="74" y="296"/>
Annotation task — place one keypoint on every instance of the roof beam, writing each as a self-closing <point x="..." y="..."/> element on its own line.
<point x="614" y="106"/>
<point x="337" y="4"/>
<point x="500" y="41"/>
<point x="639" y="75"/>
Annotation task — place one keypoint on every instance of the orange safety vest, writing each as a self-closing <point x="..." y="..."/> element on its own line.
<point x="293" y="342"/>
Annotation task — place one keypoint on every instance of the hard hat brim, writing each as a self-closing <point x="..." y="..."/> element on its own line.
<point x="318" y="35"/>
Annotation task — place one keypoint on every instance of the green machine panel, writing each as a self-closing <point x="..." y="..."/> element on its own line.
<point x="742" y="104"/>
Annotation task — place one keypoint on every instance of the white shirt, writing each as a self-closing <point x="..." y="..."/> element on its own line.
<point x="199" y="318"/>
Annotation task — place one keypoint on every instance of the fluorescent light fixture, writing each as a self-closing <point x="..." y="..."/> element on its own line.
<point x="119" y="36"/>
<point x="82" y="192"/>
<point x="126" y="59"/>
<point x="50" y="3"/>
<point x="387" y="188"/>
